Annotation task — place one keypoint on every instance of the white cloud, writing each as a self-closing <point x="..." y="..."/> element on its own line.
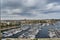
<point x="53" y="6"/>
<point x="11" y="11"/>
<point x="56" y="8"/>
<point x="31" y="3"/>
<point x="17" y="11"/>
<point x="34" y="12"/>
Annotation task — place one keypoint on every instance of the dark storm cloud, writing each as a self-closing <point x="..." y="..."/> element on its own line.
<point x="24" y="14"/>
<point x="47" y="12"/>
<point x="51" y="1"/>
<point x="10" y="4"/>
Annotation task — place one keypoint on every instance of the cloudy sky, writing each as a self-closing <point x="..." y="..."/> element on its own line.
<point x="29" y="9"/>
